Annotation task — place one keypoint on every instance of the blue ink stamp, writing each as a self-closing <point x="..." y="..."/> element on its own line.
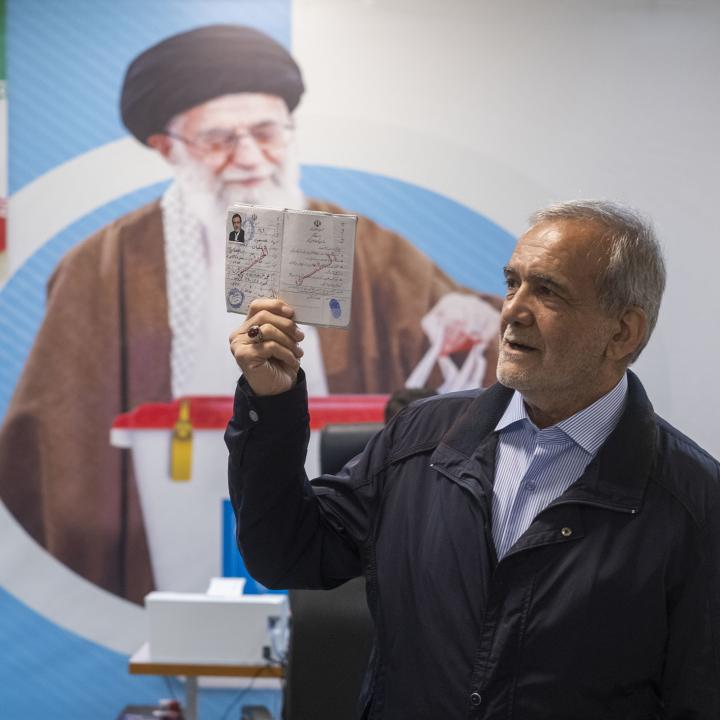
<point x="235" y="297"/>
<point x="335" y="308"/>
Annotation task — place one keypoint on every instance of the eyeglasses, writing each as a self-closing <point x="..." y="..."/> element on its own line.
<point x="218" y="144"/>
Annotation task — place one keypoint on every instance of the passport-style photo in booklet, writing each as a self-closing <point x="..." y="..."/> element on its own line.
<point x="302" y="256"/>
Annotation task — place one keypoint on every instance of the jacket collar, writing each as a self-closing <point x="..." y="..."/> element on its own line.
<point x="618" y="474"/>
<point x="479" y="420"/>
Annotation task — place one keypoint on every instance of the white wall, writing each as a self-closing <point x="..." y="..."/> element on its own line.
<point x="508" y="106"/>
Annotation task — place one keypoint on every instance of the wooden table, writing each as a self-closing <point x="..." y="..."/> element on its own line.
<point x="141" y="663"/>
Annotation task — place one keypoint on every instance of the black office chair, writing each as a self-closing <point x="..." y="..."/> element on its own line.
<point x="340" y="443"/>
<point x="332" y="631"/>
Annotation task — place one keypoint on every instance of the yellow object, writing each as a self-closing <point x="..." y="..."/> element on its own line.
<point x="181" y="445"/>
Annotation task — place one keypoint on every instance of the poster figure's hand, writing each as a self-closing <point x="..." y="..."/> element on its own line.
<point x="266" y="346"/>
<point x="458" y="322"/>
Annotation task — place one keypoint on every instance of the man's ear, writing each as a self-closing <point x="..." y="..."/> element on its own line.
<point x="632" y="325"/>
<point x="162" y="143"/>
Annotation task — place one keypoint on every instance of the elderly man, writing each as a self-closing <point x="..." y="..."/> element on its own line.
<point x="547" y="548"/>
<point x="136" y="313"/>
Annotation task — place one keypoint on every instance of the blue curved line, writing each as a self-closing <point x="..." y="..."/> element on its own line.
<point x="54" y="673"/>
<point x="49" y="672"/>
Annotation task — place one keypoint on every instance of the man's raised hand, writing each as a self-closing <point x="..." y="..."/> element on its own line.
<point x="266" y="346"/>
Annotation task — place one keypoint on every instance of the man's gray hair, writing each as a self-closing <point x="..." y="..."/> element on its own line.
<point x="635" y="270"/>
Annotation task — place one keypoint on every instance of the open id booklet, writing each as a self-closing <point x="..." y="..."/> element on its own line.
<point x="302" y="256"/>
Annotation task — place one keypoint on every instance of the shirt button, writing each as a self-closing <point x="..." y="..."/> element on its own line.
<point x="475" y="699"/>
<point x="566" y="532"/>
<point x="253" y="416"/>
<point x="530" y="486"/>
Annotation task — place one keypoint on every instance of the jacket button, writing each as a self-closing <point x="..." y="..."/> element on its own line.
<point x="566" y="532"/>
<point x="475" y="699"/>
<point x="253" y="416"/>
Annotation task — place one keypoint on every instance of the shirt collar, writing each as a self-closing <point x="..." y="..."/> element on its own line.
<point x="589" y="428"/>
<point x="514" y="412"/>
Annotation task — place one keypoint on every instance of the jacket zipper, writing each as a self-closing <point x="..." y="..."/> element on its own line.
<point x="555" y="503"/>
<point x="591" y="503"/>
<point x="456" y="480"/>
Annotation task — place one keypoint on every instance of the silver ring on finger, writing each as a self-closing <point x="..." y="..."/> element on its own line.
<point x="255" y="334"/>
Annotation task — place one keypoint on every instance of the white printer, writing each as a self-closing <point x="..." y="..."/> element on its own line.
<point x="219" y="626"/>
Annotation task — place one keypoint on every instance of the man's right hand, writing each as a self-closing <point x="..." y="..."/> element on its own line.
<point x="269" y="361"/>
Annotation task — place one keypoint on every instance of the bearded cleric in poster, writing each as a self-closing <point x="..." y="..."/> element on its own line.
<point x="136" y="314"/>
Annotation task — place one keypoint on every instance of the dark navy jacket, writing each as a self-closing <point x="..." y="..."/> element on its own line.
<point x="607" y="607"/>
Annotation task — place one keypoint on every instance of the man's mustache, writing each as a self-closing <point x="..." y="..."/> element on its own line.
<point x="258" y="174"/>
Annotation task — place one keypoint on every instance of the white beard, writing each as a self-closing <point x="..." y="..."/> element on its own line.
<point x="207" y="196"/>
<point x="194" y="211"/>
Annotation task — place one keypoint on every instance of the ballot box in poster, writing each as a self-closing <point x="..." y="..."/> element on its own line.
<point x="179" y="460"/>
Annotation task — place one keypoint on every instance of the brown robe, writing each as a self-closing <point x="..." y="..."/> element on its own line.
<point x="104" y="348"/>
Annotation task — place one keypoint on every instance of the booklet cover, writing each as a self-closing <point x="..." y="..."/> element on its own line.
<point x="302" y="256"/>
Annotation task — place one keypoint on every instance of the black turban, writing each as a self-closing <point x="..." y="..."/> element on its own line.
<point x="193" y="67"/>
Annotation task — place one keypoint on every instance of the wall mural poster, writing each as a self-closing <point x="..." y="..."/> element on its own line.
<point x="114" y="297"/>
<point x="138" y="303"/>
<point x="3" y="147"/>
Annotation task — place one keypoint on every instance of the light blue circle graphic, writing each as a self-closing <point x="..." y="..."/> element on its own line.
<point x="49" y="672"/>
<point x="467" y="246"/>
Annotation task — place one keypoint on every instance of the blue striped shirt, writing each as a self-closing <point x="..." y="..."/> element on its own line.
<point x="533" y="466"/>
